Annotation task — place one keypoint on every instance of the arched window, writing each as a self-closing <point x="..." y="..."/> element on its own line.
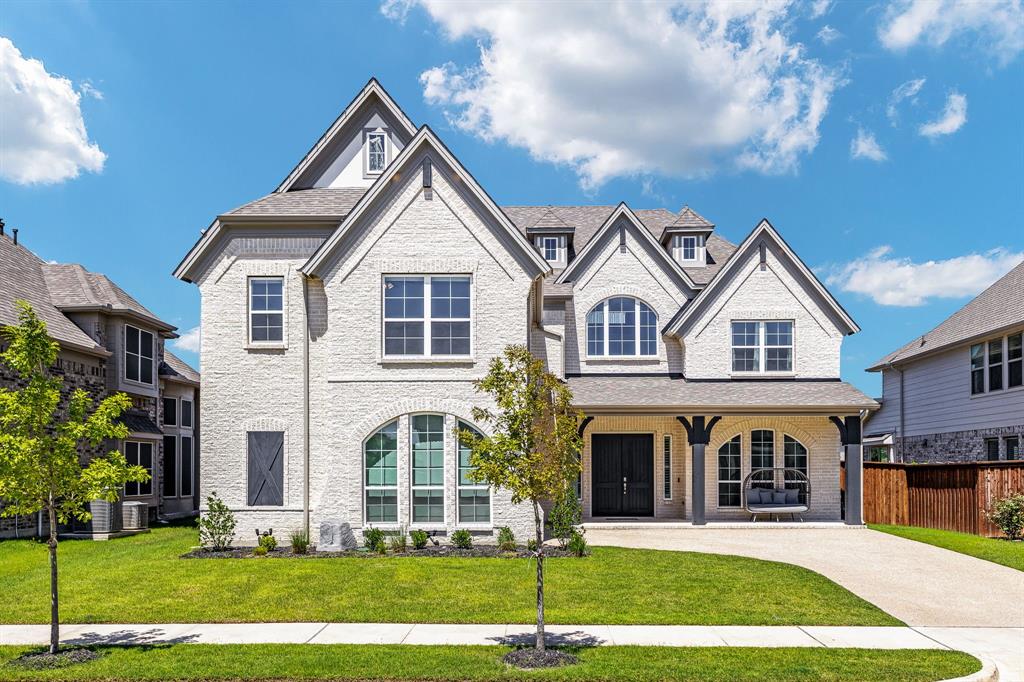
<point x="474" y="497"/>
<point x="762" y="456"/>
<point x="622" y="327"/>
<point x="794" y="456"/>
<point x="380" y="461"/>
<point x="427" y="468"/>
<point x="729" y="473"/>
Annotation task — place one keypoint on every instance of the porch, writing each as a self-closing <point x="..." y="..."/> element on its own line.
<point x="668" y="451"/>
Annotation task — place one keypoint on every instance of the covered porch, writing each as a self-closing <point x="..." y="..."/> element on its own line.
<point x="671" y="451"/>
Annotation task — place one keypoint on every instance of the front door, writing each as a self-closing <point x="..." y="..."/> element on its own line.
<point x="623" y="474"/>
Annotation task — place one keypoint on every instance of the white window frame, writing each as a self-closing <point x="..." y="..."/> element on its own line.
<point x="427" y="319"/>
<point x="762" y="349"/>
<point x="606" y="321"/>
<point x="679" y="249"/>
<point x="367" y="134"/>
<point x="249" y="294"/>
<point x="398" y="467"/>
<point x="413" y="488"/>
<point x="561" y="248"/>
<point x="460" y="486"/>
<point x="138" y="459"/>
<point x="666" y="463"/>
<point x="986" y="367"/>
<point x="140" y="356"/>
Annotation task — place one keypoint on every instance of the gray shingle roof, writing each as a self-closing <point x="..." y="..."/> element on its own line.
<point x="21" y="278"/>
<point x="549" y="220"/>
<point x="326" y="202"/>
<point x="138" y="421"/>
<point x="691" y="219"/>
<point x="72" y="286"/>
<point x="998" y="307"/>
<point x="679" y="395"/>
<point x="175" y="368"/>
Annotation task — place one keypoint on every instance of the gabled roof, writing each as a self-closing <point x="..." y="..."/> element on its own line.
<point x="764" y="231"/>
<point x="328" y="202"/>
<point x="425" y="137"/>
<point x="373" y="91"/>
<point x="623" y="211"/>
<point x="999" y="307"/>
<point x="74" y="289"/>
<point x="550" y="222"/>
<point x="174" y="368"/>
<point x="688" y="218"/>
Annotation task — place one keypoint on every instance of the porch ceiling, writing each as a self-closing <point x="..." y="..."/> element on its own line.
<point x="597" y="395"/>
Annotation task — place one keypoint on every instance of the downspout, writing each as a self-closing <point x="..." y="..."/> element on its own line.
<point x="305" y="407"/>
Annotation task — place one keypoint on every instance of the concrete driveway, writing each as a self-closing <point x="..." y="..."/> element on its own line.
<point x="920" y="584"/>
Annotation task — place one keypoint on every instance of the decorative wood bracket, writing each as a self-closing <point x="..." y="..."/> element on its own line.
<point x="583" y="425"/>
<point x="700" y="431"/>
<point x="849" y="429"/>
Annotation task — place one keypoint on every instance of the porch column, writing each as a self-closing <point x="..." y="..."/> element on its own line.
<point x="699" y="435"/>
<point x="850" y="436"/>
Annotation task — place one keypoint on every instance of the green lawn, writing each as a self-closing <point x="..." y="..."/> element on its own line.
<point x="141" y="580"/>
<point x="376" y="662"/>
<point x="998" y="551"/>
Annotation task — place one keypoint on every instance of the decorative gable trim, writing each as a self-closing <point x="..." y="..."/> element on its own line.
<point x="761" y="235"/>
<point x="425" y="137"/>
<point x="622" y="210"/>
<point x="372" y="90"/>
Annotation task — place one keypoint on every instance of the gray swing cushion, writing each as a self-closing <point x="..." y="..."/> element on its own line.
<point x="792" y="496"/>
<point x="754" y="496"/>
<point x="778" y="497"/>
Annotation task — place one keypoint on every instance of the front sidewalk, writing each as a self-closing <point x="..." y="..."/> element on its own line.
<point x="1002" y="646"/>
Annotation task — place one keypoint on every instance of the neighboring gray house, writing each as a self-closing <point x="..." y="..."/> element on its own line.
<point x="346" y="315"/>
<point x="109" y="342"/>
<point x="956" y="393"/>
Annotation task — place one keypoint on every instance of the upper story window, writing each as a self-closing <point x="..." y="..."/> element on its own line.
<point x="138" y="355"/>
<point x="688" y="249"/>
<point x="376" y="152"/>
<point x="622" y="327"/>
<point x="266" y="309"/>
<point x="553" y="248"/>
<point x="762" y="346"/>
<point x="186" y="413"/>
<point x="989" y="361"/>
<point x="170" y="411"/>
<point x="442" y="328"/>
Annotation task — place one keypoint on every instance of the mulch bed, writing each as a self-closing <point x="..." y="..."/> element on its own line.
<point x="529" y="658"/>
<point x="44" y="660"/>
<point x="481" y="551"/>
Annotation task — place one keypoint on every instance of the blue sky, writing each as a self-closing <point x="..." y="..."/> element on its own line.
<point x="884" y="140"/>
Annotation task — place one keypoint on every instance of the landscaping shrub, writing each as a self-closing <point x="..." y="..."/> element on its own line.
<point x="506" y="539"/>
<point x="300" y="541"/>
<point x="217" y="525"/>
<point x="577" y="544"/>
<point x="1008" y="514"/>
<point x="565" y="516"/>
<point x="268" y="541"/>
<point x="419" y="539"/>
<point x="373" y="538"/>
<point x="531" y="544"/>
<point x="462" y="539"/>
<point x="397" y="542"/>
<point x="260" y="550"/>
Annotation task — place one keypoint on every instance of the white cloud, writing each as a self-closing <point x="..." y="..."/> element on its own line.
<point x="996" y="25"/>
<point x="90" y="90"/>
<point x="903" y="92"/>
<point x="953" y="117"/>
<point x="633" y="89"/>
<point x="188" y="341"/>
<point x="827" y="34"/>
<point x="865" y="146"/>
<point x="901" y="282"/>
<point x="819" y="8"/>
<point x="44" y="136"/>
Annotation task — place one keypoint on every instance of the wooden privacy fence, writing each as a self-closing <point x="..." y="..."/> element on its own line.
<point x="951" y="496"/>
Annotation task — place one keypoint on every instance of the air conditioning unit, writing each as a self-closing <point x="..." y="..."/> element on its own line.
<point x="135" y="515"/>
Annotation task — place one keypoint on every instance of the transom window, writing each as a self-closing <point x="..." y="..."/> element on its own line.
<point x="474" y="497"/>
<point x="380" y="483"/>
<point x="266" y="309"/>
<point x="621" y="327"/>
<point x="428" y="468"/>
<point x="729" y="457"/>
<point x="138" y="355"/>
<point x="376" y="157"/>
<point x="762" y="346"/>
<point x="139" y="454"/>
<point x="447" y="317"/>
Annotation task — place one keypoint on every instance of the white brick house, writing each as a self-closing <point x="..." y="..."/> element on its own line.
<point x="345" y="316"/>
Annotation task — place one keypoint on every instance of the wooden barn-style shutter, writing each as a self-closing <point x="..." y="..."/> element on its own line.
<point x="266" y="468"/>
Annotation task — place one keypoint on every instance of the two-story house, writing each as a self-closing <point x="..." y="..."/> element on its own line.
<point x="346" y="314"/>
<point x="956" y="393"/>
<point x="109" y="343"/>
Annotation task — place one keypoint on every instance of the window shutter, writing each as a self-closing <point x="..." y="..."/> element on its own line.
<point x="266" y="468"/>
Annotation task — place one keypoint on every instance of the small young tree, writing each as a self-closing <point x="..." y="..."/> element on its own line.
<point x="217" y="525"/>
<point x="39" y="441"/>
<point x="534" y="450"/>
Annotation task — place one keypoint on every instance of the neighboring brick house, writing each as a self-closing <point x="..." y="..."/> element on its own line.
<point x="109" y="342"/>
<point x="346" y="315"/>
<point x="956" y="393"/>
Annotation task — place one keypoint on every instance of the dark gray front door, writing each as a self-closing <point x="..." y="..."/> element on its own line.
<point x="623" y="474"/>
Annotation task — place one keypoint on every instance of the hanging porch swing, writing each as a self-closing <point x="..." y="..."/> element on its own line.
<point x="776" y="491"/>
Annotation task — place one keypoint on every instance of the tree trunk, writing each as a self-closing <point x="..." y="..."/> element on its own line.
<point x="54" y="616"/>
<point x="539" y="526"/>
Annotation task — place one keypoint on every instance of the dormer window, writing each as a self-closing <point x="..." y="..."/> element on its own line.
<point x="688" y="249"/>
<point x="553" y="248"/>
<point x="376" y="152"/>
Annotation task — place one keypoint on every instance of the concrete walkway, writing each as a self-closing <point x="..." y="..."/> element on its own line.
<point x="987" y="643"/>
